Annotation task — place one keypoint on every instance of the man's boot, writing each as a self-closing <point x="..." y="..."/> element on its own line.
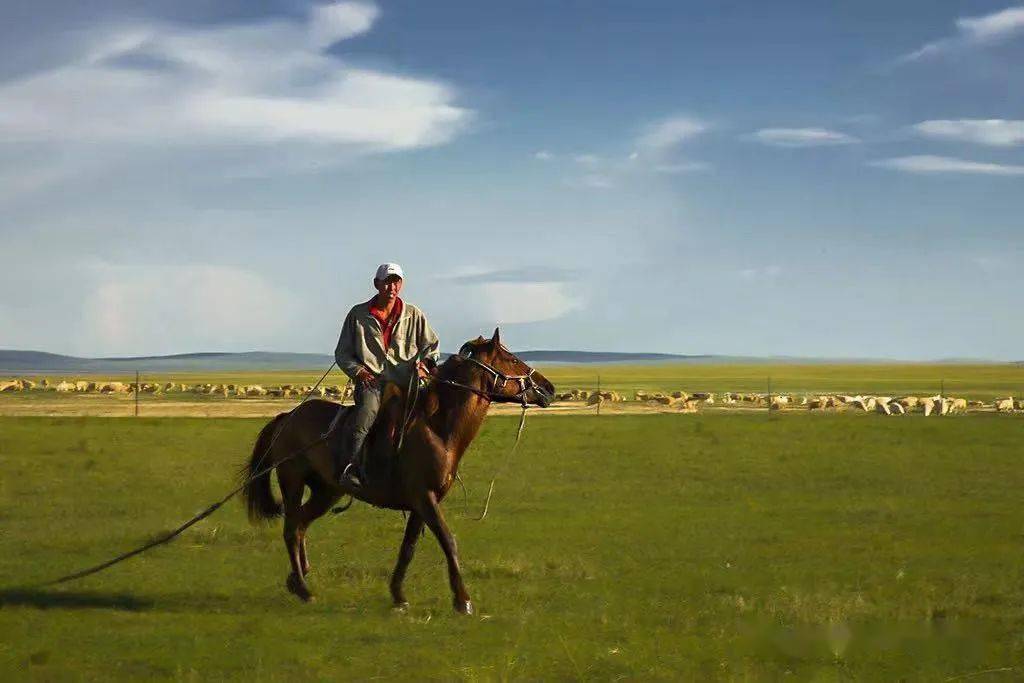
<point x="350" y="461"/>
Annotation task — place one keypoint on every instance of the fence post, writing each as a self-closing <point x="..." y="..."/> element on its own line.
<point x="136" y="393"/>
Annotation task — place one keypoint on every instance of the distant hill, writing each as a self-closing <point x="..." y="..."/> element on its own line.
<point x="605" y="357"/>
<point x="40" y="362"/>
<point x="21" y="362"/>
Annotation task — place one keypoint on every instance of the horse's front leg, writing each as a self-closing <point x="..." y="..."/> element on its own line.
<point x="412" y="532"/>
<point x="431" y="512"/>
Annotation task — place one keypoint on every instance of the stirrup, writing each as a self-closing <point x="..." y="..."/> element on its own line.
<point x="350" y="475"/>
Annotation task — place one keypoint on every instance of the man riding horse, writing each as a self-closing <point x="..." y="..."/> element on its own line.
<point x="438" y="431"/>
<point x="377" y="337"/>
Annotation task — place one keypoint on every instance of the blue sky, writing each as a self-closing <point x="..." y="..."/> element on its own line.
<point x="814" y="179"/>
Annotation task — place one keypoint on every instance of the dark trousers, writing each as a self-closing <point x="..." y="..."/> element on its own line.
<point x="346" y="437"/>
<point x="365" y="412"/>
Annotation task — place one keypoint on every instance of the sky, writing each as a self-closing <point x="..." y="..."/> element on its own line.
<point x="824" y="179"/>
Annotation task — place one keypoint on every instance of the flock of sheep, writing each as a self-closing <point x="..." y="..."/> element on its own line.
<point x="208" y="389"/>
<point x="681" y="400"/>
<point x="887" y="405"/>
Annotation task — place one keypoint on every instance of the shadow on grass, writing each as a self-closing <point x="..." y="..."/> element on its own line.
<point x="29" y="597"/>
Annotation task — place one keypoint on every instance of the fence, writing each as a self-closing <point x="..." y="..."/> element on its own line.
<point x="874" y="390"/>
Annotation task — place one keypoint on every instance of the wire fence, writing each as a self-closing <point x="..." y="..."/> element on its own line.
<point x="607" y="389"/>
<point x="883" y="395"/>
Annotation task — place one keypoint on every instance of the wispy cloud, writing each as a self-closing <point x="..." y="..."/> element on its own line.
<point x="989" y="263"/>
<point x="587" y="159"/>
<point x="655" y="149"/>
<point x="525" y="274"/>
<point x="252" y="86"/>
<point x="762" y="273"/>
<point x="161" y="308"/>
<point x="508" y="303"/>
<point x="936" y="164"/>
<point x="341" y="20"/>
<point x="992" y="132"/>
<point x="802" y="137"/>
<point x="681" y="167"/>
<point x="597" y="181"/>
<point x="662" y="137"/>
<point x="972" y="31"/>
<point x="515" y="295"/>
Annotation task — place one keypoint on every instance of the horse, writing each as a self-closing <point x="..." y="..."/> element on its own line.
<point x="440" y="426"/>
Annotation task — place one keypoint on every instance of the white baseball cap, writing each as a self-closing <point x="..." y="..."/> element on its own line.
<point x="386" y="269"/>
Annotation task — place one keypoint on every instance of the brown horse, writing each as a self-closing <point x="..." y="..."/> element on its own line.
<point x="443" y="422"/>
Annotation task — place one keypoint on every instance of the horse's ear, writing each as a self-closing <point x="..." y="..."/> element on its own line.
<point x="480" y="339"/>
<point x="497" y="337"/>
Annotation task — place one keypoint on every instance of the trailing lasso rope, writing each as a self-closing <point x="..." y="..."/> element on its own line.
<point x="171" y="535"/>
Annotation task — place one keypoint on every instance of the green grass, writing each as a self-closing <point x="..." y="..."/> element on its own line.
<point x="699" y="547"/>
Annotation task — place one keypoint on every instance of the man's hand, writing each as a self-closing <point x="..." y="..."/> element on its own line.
<point x="423" y="370"/>
<point x="366" y="377"/>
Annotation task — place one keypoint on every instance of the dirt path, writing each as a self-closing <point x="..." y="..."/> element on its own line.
<point x="118" y="406"/>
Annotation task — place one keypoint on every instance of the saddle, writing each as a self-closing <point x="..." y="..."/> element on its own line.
<point x="382" y="442"/>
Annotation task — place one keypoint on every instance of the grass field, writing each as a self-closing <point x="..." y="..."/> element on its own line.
<point x="716" y="546"/>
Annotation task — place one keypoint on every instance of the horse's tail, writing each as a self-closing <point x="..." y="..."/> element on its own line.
<point x="259" y="499"/>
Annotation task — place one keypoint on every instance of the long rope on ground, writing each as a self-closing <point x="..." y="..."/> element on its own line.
<point x="504" y="464"/>
<point x="171" y="535"/>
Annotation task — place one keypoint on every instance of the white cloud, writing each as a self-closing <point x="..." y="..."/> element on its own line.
<point x="482" y="296"/>
<point x="993" y="26"/>
<point x="937" y="164"/>
<point x="802" y="137"/>
<point x="168" y="309"/>
<point x="544" y="155"/>
<point x="138" y="89"/>
<point x="655" y="150"/>
<point x="664" y="136"/>
<point x="507" y="302"/>
<point x="993" y="132"/>
<point x="338" y="21"/>
<point x="972" y="31"/>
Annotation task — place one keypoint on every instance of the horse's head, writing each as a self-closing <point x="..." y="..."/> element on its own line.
<point x="506" y="378"/>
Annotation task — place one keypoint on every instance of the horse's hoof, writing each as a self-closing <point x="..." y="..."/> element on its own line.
<point x="464" y="607"/>
<point x="297" y="586"/>
<point x="402" y="606"/>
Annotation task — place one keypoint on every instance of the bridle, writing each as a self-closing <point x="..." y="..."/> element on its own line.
<point x="499" y="381"/>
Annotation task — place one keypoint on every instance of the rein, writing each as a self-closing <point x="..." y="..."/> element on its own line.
<point x="504" y="464"/>
<point x="525" y="382"/>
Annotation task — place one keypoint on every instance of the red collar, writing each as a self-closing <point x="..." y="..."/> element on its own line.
<point x="387" y="322"/>
<point x="379" y="314"/>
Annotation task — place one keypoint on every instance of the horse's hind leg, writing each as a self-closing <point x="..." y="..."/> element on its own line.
<point x="316" y="507"/>
<point x="303" y="559"/>
<point x="291" y="493"/>
<point x="412" y="532"/>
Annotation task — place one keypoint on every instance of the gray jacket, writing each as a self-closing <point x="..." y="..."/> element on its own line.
<point x="362" y="343"/>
